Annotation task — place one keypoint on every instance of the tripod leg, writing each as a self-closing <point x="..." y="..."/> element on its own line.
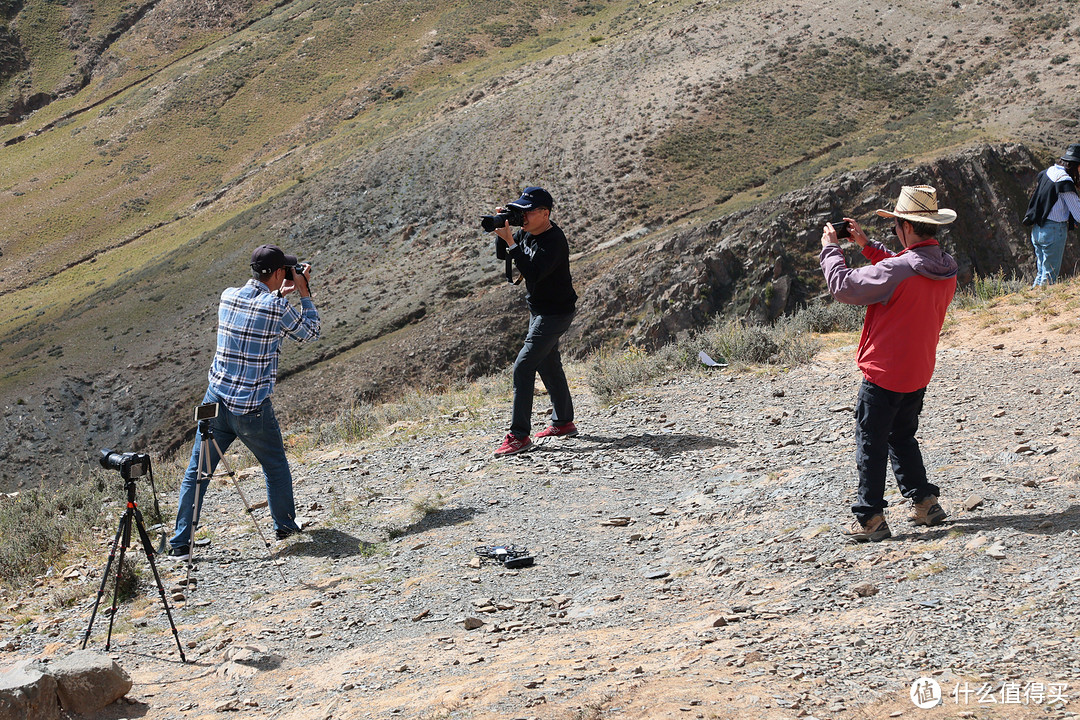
<point x="247" y="508"/>
<point x="202" y="483"/>
<point x="104" y="579"/>
<point x="148" y="549"/>
<point x="125" y="540"/>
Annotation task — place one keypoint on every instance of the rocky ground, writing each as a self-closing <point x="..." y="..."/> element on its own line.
<point x="688" y="561"/>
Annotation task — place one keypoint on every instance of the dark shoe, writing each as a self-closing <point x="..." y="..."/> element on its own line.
<point x="288" y="532"/>
<point x="512" y="444"/>
<point x="927" y="512"/>
<point x="565" y="430"/>
<point x="875" y="530"/>
<point x="180" y="552"/>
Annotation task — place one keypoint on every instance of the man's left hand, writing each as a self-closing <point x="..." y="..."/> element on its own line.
<point x="504" y="232"/>
<point x="828" y="236"/>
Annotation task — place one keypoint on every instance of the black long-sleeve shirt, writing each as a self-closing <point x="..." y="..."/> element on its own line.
<point x="544" y="261"/>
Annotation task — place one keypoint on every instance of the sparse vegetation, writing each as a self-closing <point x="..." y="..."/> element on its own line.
<point x="41" y="524"/>
<point x="983" y="290"/>
<point x="789" y="341"/>
<point x="363" y="420"/>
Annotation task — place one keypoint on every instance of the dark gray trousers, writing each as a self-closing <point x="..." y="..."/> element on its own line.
<point x="540" y="354"/>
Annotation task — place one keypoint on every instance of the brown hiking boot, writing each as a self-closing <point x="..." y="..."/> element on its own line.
<point x="876" y="530"/>
<point x="928" y="512"/>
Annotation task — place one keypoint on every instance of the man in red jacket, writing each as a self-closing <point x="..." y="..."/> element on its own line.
<point x="906" y="295"/>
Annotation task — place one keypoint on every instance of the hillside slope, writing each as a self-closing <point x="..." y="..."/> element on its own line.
<point x="368" y="137"/>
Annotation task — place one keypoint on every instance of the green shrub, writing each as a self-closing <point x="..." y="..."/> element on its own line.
<point x="786" y="342"/>
<point x="984" y="289"/>
<point x="826" y="317"/>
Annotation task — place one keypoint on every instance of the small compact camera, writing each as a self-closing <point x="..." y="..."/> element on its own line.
<point x="842" y="228"/>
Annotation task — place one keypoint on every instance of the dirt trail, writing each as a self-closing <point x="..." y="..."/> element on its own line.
<point x="688" y="562"/>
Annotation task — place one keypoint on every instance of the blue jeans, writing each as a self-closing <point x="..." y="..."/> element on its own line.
<point x="1049" y="243"/>
<point x="259" y="431"/>
<point x="540" y="354"/>
<point x="885" y="427"/>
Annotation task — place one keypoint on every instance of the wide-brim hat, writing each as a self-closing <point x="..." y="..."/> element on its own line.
<point x="1072" y="153"/>
<point x="918" y="203"/>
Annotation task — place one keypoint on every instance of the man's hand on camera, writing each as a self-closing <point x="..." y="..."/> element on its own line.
<point x="828" y="236"/>
<point x="858" y="236"/>
<point x="504" y="231"/>
<point x="298" y="283"/>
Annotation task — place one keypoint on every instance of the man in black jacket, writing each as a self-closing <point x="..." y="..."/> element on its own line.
<point x="542" y="256"/>
<point x="1053" y="209"/>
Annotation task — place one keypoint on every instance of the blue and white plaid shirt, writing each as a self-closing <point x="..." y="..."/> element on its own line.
<point x="251" y="323"/>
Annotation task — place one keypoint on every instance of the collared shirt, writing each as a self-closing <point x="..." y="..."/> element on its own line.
<point x="251" y="323"/>
<point x="1067" y="202"/>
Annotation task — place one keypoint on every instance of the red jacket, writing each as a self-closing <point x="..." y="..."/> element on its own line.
<point x="906" y="296"/>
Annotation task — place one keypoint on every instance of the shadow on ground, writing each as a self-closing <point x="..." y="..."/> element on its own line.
<point x="663" y="444"/>
<point x="327" y="542"/>
<point x="442" y="517"/>
<point x="1034" y="523"/>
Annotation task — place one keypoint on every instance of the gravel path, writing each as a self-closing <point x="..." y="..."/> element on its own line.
<point x="688" y="564"/>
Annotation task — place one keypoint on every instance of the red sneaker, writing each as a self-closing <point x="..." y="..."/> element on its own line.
<point x="566" y="430"/>
<point x="512" y="444"/>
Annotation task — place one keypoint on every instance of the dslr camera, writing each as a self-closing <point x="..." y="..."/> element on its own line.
<point x="130" y="465"/>
<point x="297" y="269"/>
<point x="510" y="216"/>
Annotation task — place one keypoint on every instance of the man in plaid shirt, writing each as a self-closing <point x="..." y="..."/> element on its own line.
<point x="252" y="320"/>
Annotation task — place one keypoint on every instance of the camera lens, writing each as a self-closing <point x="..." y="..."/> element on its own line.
<point x="111" y="460"/>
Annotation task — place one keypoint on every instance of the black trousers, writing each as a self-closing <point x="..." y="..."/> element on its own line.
<point x="885" y="427"/>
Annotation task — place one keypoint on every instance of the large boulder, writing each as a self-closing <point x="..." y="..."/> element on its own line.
<point x="28" y="692"/>
<point x="87" y="681"/>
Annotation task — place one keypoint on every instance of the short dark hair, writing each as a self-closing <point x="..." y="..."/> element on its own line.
<point x="923" y="230"/>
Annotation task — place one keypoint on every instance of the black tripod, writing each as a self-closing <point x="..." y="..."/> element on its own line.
<point x="124" y="533"/>
<point x="204" y="413"/>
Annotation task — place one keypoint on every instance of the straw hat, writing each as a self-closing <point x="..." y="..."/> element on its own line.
<point x="918" y="203"/>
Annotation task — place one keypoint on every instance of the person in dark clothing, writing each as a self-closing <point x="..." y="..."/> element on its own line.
<point x="1053" y="210"/>
<point x="542" y="256"/>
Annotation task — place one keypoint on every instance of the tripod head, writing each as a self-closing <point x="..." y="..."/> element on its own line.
<point x="203" y="415"/>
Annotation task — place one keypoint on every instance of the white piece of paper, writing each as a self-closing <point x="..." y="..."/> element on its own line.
<point x="706" y="360"/>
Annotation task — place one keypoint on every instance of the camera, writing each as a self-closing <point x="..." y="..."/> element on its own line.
<point x="129" y="465"/>
<point x="511" y="216"/>
<point x="842" y="228"/>
<point x="297" y="269"/>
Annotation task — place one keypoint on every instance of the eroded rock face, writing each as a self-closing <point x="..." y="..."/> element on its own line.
<point x="762" y="262"/>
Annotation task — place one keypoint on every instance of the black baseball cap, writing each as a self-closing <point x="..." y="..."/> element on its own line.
<point x="268" y="258"/>
<point x="532" y="198"/>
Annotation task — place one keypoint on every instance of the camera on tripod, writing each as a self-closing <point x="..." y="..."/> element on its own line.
<point x="510" y="216"/>
<point x="129" y="465"/>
